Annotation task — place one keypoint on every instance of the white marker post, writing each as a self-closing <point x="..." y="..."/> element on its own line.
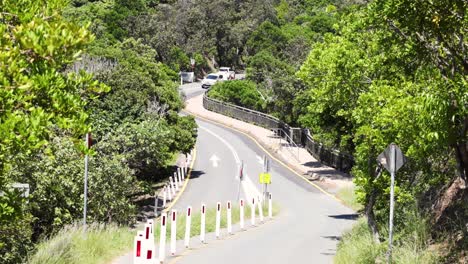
<point x="218" y="218"/>
<point x="202" y="227"/>
<point x="164" y="196"/>
<point x="151" y="223"/>
<point x="176" y="184"/>
<point x="169" y="192"/>
<point x="188" y="223"/>
<point x="229" y="222"/>
<point x="148" y="244"/>
<point x="138" y="248"/>
<point x="162" y="238"/>
<point x="252" y="210"/>
<point x="179" y="177"/>
<point x="260" y="209"/>
<point x="172" y="184"/>
<point x="270" y="206"/>
<point x="182" y="172"/>
<point x="173" y="231"/>
<point x="241" y="214"/>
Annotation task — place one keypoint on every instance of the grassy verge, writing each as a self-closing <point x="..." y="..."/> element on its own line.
<point x="358" y="246"/>
<point x="210" y="224"/>
<point x="100" y="244"/>
<point x="348" y="196"/>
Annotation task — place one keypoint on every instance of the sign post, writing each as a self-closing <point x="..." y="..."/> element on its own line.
<point x="265" y="177"/>
<point x="192" y="63"/>
<point x="392" y="159"/>
<point x="88" y="146"/>
<point x="241" y="178"/>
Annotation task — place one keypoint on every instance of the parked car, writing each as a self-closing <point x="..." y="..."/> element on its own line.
<point x="227" y="73"/>
<point x="211" y="79"/>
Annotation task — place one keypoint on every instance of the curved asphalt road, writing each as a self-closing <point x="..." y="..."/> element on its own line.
<point x="307" y="228"/>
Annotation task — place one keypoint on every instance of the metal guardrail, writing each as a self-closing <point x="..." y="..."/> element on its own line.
<point x="294" y="136"/>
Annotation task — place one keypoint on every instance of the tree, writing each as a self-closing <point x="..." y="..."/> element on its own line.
<point x="36" y="95"/>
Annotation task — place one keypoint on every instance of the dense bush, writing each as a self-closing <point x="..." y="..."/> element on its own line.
<point x="136" y="126"/>
<point x="240" y="92"/>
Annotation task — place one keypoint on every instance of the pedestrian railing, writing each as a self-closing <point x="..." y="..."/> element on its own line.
<point x="294" y="136"/>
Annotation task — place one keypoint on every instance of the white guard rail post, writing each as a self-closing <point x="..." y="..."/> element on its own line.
<point x="241" y="214"/>
<point x="162" y="238"/>
<point x="187" y="226"/>
<point x="173" y="231"/>
<point x="218" y="218"/>
<point x="202" y="223"/>
<point x="229" y="220"/>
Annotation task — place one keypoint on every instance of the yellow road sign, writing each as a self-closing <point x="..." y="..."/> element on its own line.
<point x="265" y="178"/>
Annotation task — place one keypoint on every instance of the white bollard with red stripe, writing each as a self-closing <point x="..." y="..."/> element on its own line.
<point x="162" y="237"/>
<point x="218" y="218"/>
<point x="138" y="248"/>
<point x="241" y="214"/>
<point x="202" y="223"/>
<point x="252" y="212"/>
<point x="260" y="209"/>
<point x="188" y="223"/>
<point x="270" y="207"/>
<point x="228" y="214"/>
<point x="173" y="231"/>
<point x="148" y="244"/>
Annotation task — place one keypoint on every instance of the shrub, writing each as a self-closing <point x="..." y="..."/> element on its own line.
<point x="239" y="92"/>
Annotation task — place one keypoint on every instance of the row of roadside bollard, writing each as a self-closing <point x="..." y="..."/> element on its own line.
<point x="145" y="246"/>
<point x="175" y="183"/>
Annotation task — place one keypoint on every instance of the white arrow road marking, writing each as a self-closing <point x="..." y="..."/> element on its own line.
<point x="214" y="159"/>
<point x="249" y="187"/>
<point x="259" y="159"/>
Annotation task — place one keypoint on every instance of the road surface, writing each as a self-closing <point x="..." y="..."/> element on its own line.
<point x="307" y="228"/>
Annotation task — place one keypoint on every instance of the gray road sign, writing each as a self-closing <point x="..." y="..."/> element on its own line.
<point x="385" y="158"/>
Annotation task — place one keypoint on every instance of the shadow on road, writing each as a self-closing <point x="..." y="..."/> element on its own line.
<point x="312" y="164"/>
<point x="335" y="238"/>
<point x="196" y="174"/>
<point x="345" y="216"/>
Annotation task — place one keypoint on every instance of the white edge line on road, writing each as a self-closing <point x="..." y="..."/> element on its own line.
<point x="209" y="120"/>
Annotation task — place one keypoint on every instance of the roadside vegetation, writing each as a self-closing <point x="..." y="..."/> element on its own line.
<point x="101" y="243"/>
<point x="359" y="75"/>
<point x="60" y="78"/>
<point x="362" y="75"/>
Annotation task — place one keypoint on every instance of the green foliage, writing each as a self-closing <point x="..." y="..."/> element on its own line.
<point x="238" y="92"/>
<point x="36" y="96"/>
<point x="50" y="100"/>
<point x="383" y="78"/>
<point x="56" y="184"/>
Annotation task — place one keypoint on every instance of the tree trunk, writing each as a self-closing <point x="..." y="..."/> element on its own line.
<point x="371" y="217"/>
<point x="461" y="152"/>
<point x="369" y="210"/>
